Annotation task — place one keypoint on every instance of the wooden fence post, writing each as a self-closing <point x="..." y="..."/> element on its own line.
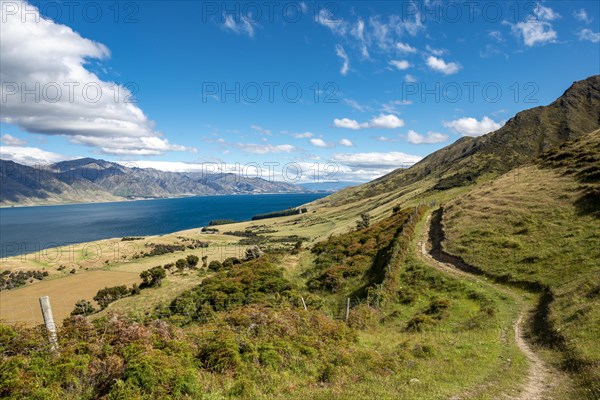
<point x="347" y="309"/>
<point x="49" y="322"/>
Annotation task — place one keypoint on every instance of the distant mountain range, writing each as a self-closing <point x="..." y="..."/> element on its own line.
<point x="92" y="180"/>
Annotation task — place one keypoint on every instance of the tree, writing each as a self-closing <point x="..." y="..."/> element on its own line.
<point x="153" y="277"/>
<point x="205" y="262"/>
<point x="192" y="260"/>
<point x="364" y="221"/>
<point x="181" y="264"/>
<point x="83" y="307"/>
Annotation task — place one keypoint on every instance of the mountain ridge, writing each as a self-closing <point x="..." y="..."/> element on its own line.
<point x="95" y="180"/>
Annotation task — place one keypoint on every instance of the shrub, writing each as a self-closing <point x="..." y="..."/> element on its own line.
<point x="192" y="260"/>
<point x="109" y="294"/>
<point x="215" y="265"/>
<point x="181" y="264"/>
<point x="83" y="307"/>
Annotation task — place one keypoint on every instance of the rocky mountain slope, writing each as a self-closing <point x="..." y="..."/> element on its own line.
<point x="88" y="179"/>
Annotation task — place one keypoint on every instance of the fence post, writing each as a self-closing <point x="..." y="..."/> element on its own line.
<point x="347" y="309"/>
<point x="49" y="322"/>
<point x="303" y="303"/>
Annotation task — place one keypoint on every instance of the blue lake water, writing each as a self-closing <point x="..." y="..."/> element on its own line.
<point x="28" y="229"/>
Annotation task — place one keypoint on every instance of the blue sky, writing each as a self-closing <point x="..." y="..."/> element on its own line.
<point x="359" y="88"/>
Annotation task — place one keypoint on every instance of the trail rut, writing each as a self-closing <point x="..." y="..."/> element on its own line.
<point x="540" y="377"/>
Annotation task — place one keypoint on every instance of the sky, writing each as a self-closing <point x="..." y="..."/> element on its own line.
<point x="294" y="91"/>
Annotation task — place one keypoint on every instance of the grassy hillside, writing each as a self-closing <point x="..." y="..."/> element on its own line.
<point x="540" y="224"/>
<point x="412" y="333"/>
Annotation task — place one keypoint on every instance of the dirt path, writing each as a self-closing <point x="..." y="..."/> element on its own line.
<point x="541" y="377"/>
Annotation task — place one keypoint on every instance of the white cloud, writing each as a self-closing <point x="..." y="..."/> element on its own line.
<point x="545" y="13"/>
<point x="326" y="18"/>
<point x="255" y="148"/>
<point x="405" y="48"/>
<point x="587" y="34"/>
<point x="348" y="123"/>
<point x="431" y="137"/>
<point x="408" y="78"/>
<point x="469" y="126"/>
<point x="582" y="15"/>
<point x="304" y="135"/>
<point x="243" y="26"/>
<point x="346" y="142"/>
<point x="436" y="52"/>
<point x="385" y="139"/>
<point x="496" y="35"/>
<point x="394" y="159"/>
<point x="386" y="121"/>
<point x="261" y="130"/>
<point x="319" y="143"/>
<point x="391" y="107"/>
<point x="30" y="155"/>
<point x="75" y="103"/>
<point x="438" y="64"/>
<point x="341" y="53"/>
<point x="382" y="121"/>
<point x="536" y="28"/>
<point x="355" y="105"/>
<point x="400" y="64"/>
<point x="10" y="140"/>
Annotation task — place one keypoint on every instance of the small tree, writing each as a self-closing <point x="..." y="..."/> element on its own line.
<point x="205" y="262"/>
<point x="364" y="221"/>
<point x="153" y="277"/>
<point x="181" y="264"/>
<point x="83" y="307"/>
<point x="192" y="260"/>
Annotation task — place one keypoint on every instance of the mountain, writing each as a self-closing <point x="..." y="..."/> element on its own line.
<point x="88" y="179"/>
<point x="523" y="138"/>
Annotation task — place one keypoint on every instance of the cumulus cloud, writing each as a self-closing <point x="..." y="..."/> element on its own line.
<point x="10" y="140"/>
<point x="439" y="65"/>
<point x="30" y="155"/>
<point x="408" y="78"/>
<point x="431" y="137"/>
<point x="346" y="143"/>
<point x="243" y="26"/>
<point x="405" y="48"/>
<point x="319" y="143"/>
<point x="537" y="27"/>
<point x="587" y="34"/>
<point x="386" y="121"/>
<point x="348" y="123"/>
<point x="382" y="121"/>
<point x="50" y="59"/>
<point x="469" y="126"/>
<point x="582" y="16"/>
<point x="400" y="64"/>
<point x="341" y="53"/>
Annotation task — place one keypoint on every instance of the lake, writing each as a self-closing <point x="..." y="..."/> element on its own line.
<point x="29" y="229"/>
